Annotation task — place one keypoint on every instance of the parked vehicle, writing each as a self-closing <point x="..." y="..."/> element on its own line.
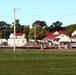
<point x="4" y="43"/>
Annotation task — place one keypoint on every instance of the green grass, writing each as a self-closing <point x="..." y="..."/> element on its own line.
<point x="37" y="62"/>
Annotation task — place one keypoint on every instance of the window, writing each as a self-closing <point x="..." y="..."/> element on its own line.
<point x="18" y="40"/>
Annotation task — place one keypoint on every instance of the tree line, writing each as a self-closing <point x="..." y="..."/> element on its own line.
<point x="37" y="31"/>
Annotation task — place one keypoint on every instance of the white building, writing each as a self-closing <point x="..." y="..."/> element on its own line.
<point x="74" y="33"/>
<point x="20" y="40"/>
<point x="56" y="37"/>
<point x="63" y="38"/>
<point x="73" y="37"/>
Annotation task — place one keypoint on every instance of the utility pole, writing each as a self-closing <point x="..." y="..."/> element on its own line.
<point x="14" y="28"/>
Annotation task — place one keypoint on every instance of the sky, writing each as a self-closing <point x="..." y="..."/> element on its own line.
<point x="28" y="11"/>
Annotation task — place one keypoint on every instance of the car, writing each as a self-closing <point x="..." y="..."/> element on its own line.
<point x="4" y="43"/>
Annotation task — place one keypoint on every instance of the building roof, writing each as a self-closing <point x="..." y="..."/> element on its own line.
<point x="61" y="32"/>
<point x="19" y="34"/>
<point x="53" y="34"/>
<point x="74" y="36"/>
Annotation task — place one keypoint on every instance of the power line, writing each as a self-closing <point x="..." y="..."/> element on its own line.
<point x="64" y="15"/>
<point x="6" y="13"/>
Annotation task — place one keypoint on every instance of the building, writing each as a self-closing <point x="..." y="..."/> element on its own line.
<point x="73" y="39"/>
<point x="74" y="33"/>
<point x="57" y="38"/>
<point x="20" y="39"/>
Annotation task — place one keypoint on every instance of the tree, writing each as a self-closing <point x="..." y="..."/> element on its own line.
<point x="26" y="31"/>
<point x="4" y="25"/>
<point x="0" y="34"/>
<point x="37" y="32"/>
<point x="5" y="33"/>
<point x="4" y="29"/>
<point x="19" y="27"/>
<point x="41" y="23"/>
<point x="56" y="26"/>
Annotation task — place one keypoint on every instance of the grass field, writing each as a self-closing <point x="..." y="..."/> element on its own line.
<point x="37" y="62"/>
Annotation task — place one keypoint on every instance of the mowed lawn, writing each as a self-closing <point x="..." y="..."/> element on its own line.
<point x="37" y="62"/>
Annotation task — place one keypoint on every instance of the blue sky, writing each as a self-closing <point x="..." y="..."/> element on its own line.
<point x="45" y="10"/>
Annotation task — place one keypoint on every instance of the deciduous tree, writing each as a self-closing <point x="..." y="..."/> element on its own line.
<point x="19" y="27"/>
<point x="4" y="29"/>
<point x="37" y="31"/>
<point x="26" y="31"/>
<point x="41" y="23"/>
<point x="56" y="26"/>
<point x="4" y="25"/>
